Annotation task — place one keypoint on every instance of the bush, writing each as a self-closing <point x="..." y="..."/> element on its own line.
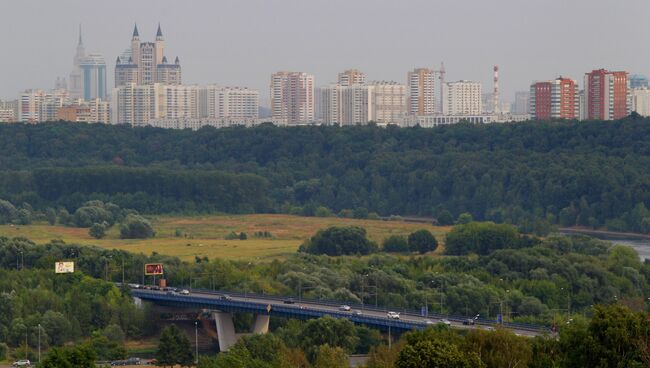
<point x="97" y="231"/>
<point x="243" y="236"/>
<point x="395" y="244"/>
<point x="89" y="215"/>
<point x="231" y="236"/>
<point x="336" y="241"/>
<point x="422" y="241"/>
<point x="8" y="212"/>
<point x="360" y="213"/>
<point x="445" y="218"/>
<point x="4" y="349"/>
<point x="465" y="218"/>
<point x="136" y="227"/>
<point x="323" y="212"/>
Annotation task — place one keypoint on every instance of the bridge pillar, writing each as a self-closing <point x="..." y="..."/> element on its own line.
<point x="225" y="330"/>
<point x="261" y="323"/>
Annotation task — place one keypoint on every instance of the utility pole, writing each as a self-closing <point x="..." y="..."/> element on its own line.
<point x="122" y="270"/>
<point x="39" y="343"/>
<point x="196" y="342"/>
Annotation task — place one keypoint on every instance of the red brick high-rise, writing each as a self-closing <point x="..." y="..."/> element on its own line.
<point x="606" y="95"/>
<point x="556" y="99"/>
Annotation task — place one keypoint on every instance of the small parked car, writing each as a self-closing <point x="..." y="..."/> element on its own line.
<point x="289" y="301"/>
<point x="345" y="308"/>
<point x="22" y="363"/>
<point x="392" y="315"/>
<point x="469" y="322"/>
<point x="184" y="292"/>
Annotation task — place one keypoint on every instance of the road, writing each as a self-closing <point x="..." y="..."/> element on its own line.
<point x="379" y="315"/>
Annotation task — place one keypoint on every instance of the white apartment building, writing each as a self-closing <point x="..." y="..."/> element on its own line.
<point x="35" y="106"/>
<point x="432" y="121"/>
<point x="346" y="105"/>
<point x="462" y="98"/>
<point x="640" y="100"/>
<point x="421" y="88"/>
<point x="138" y="104"/>
<point x="228" y="102"/>
<point x="388" y="101"/>
<point x="292" y="97"/>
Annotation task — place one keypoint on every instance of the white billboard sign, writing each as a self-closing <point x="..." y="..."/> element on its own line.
<point x="64" y="267"/>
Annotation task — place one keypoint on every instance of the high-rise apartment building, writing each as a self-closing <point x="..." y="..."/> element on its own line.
<point x="35" y="106"/>
<point x="421" y="88"/>
<point x="228" y="102"/>
<point x="292" y="97"/>
<point x="638" y="81"/>
<point x="556" y="99"/>
<point x="606" y="95"/>
<point x="139" y="104"/>
<point x="462" y="98"/>
<point x="145" y="63"/>
<point x="351" y="77"/>
<point x="346" y="105"/>
<point x="389" y="101"/>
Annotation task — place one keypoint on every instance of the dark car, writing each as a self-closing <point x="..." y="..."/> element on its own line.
<point x="289" y="301"/>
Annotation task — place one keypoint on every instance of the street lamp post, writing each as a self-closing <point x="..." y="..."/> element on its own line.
<point x="196" y="342"/>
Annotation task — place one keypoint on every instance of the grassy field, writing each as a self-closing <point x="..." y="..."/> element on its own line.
<point x="205" y="235"/>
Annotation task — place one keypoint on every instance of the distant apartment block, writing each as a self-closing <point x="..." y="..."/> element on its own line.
<point x="606" y="95"/>
<point x="462" y="98"/>
<point x="292" y="97"/>
<point x="228" y="102"/>
<point x="138" y="104"/>
<point x="640" y="100"/>
<point x="389" y="101"/>
<point x="521" y="104"/>
<point x="421" y="91"/>
<point x="556" y="99"/>
<point x="35" y="106"/>
<point x="351" y="77"/>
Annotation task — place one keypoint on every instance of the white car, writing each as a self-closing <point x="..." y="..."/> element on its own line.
<point x="392" y="315"/>
<point x="22" y="363"/>
<point x="184" y="292"/>
<point x="445" y="322"/>
<point x="345" y="308"/>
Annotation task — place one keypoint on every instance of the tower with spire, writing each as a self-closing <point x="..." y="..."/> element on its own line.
<point x="145" y="63"/>
<point x="88" y="77"/>
<point x="76" y="77"/>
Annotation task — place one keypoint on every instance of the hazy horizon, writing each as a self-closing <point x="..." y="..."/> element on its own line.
<point x="242" y="42"/>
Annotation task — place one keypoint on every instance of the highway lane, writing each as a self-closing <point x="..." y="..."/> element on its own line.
<point x="335" y="311"/>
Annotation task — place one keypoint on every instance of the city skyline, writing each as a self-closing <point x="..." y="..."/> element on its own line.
<point x="230" y="43"/>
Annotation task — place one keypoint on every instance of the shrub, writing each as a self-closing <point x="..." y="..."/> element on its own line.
<point x="336" y="241"/>
<point x="136" y="227"/>
<point x="396" y="244"/>
<point x="422" y="241"/>
<point x="97" y="231"/>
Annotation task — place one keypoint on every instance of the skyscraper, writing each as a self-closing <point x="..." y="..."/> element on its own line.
<point x="556" y="99"/>
<point x="76" y="76"/>
<point x="145" y="63"/>
<point x="218" y="102"/>
<point x="93" y="76"/>
<point x="388" y="101"/>
<point x="606" y="95"/>
<point x="421" y="85"/>
<point x="292" y="97"/>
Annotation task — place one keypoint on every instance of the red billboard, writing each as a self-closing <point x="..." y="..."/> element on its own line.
<point x="153" y="269"/>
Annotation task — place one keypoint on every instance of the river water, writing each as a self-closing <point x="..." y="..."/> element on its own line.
<point x="640" y="243"/>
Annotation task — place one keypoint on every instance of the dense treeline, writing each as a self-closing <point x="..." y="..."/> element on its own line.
<point x="531" y="174"/>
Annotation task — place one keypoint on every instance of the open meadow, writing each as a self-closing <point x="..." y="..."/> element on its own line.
<point x="205" y="235"/>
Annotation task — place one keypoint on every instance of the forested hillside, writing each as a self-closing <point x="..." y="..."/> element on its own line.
<point x="532" y="174"/>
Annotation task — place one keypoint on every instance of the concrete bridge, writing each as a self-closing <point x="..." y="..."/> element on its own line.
<point x="265" y="306"/>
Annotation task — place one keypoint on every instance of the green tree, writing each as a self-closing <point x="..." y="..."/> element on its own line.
<point x="174" y="348"/>
<point x="396" y="244"/>
<point x="481" y="238"/>
<point x="243" y="236"/>
<point x="422" y="241"/>
<point x="136" y="227"/>
<point x="97" y="231"/>
<point x="336" y="241"/>
<point x="57" y="327"/>
<point x="331" y="357"/>
<point x="50" y="214"/>
<point x="436" y="353"/>
<point x="80" y="356"/>
<point x="500" y="348"/>
<point x="8" y="212"/>
<point x="445" y="218"/>
<point x="327" y="330"/>
<point x="464" y="218"/>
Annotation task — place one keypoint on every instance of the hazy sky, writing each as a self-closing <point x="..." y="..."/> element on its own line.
<point x="241" y="42"/>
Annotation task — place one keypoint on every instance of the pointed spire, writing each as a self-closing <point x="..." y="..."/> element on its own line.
<point x="164" y="60"/>
<point x="177" y="61"/>
<point x="118" y="60"/>
<point x="135" y="31"/>
<point x="80" y="40"/>
<point x="159" y="32"/>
